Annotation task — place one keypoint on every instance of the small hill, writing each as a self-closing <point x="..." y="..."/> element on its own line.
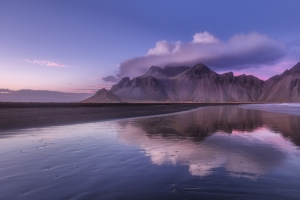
<point x="103" y="96"/>
<point x="40" y="96"/>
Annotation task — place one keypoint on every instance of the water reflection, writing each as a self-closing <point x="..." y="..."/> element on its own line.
<point x="221" y="152"/>
<point x="247" y="143"/>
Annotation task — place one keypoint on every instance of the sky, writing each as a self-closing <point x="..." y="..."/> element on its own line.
<point x="85" y="45"/>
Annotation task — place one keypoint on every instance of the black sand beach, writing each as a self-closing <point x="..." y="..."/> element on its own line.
<point x="30" y="115"/>
<point x="216" y="152"/>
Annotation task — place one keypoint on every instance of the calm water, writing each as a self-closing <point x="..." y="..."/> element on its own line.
<point x="213" y="152"/>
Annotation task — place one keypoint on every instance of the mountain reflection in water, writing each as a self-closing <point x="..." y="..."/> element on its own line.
<point x="219" y="152"/>
<point x="247" y="143"/>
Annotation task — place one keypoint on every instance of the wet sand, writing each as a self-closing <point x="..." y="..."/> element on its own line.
<point x="31" y="115"/>
<point x="216" y="152"/>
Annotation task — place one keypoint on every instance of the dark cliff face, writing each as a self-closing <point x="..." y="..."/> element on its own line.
<point x="140" y="88"/>
<point x="201" y="84"/>
<point x="284" y="87"/>
<point x="197" y="72"/>
<point x="165" y="72"/>
<point x="294" y="70"/>
<point x="123" y="83"/>
<point x="184" y="84"/>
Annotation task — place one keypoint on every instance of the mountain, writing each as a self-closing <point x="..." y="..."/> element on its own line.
<point x="166" y="72"/>
<point x="284" y="87"/>
<point x="146" y="87"/>
<point x="40" y="96"/>
<point x="103" y="96"/>
<point x="141" y="88"/>
<point x="201" y="84"/>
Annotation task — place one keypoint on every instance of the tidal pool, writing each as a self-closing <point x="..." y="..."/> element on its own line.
<point x="217" y="152"/>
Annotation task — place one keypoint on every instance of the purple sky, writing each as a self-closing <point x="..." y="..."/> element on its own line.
<point x="71" y="45"/>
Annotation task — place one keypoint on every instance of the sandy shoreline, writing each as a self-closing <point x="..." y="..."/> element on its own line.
<point x="31" y="115"/>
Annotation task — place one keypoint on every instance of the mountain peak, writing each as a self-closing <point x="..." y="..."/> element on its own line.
<point x="200" y="66"/>
<point x="165" y="72"/>
<point x="155" y="71"/>
<point x="198" y="71"/>
<point x="296" y="68"/>
<point x="154" y="68"/>
<point x="103" y="96"/>
<point x="124" y="82"/>
<point x="201" y="69"/>
<point x="101" y="91"/>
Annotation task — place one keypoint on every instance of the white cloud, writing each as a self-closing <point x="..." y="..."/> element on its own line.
<point x="221" y="150"/>
<point x="241" y="51"/>
<point x="45" y="63"/>
<point x="164" y="47"/>
<point x="204" y="37"/>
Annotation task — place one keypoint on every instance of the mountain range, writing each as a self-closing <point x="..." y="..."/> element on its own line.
<point x="201" y="84"/>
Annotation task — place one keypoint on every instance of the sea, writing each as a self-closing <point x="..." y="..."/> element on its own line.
<point x="213" y="152"/>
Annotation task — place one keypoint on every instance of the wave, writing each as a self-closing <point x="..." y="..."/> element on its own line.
<point x="286" y="108"/>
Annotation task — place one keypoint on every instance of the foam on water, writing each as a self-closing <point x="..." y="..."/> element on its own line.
<point x="287" y="108"/>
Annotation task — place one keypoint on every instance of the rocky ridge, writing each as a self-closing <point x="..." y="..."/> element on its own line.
<point x="103" y="96"/>
<point x="201" y="84"/>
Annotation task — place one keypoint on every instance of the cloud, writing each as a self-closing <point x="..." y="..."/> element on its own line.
<point x="87" y="90"/>
<point x="221" y="150"/>
<point x="241" y="51"/>
<point x="164" y="48"/>
<point x="93" y="88"/>
<point x="294" y="47"/>
<point x="204" y="37"/>
<point x="45" y="63"/>
<point x="110" y="79"/>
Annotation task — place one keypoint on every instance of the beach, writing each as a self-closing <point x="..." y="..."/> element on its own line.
<point x="31" y="115"/>
<point x="155" y="151"/>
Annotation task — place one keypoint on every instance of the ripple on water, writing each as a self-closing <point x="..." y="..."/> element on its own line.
<point x="216" y="152"/>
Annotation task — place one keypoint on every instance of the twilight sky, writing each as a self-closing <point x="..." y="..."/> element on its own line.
<point x="72" y="45"/>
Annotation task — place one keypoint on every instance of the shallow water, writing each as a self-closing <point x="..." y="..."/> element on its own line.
<point x="213" y="152"/>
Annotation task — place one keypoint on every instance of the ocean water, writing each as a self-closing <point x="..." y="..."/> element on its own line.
<point x="217" y="152"/>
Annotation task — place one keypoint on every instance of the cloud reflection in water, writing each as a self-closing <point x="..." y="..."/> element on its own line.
<point x="241" y="141"/>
